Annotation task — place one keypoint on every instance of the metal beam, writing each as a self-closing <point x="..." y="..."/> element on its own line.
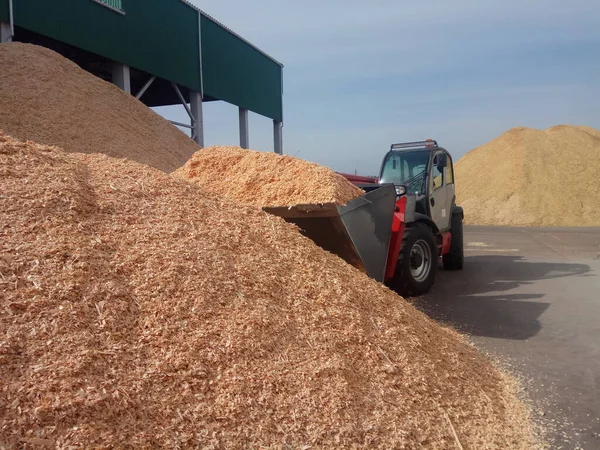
<point x="278" y="136"/>
<point x="197" y="117"/>
<point x="244" y="134"/>
<point x="121" y="77"/>
<point x="182" y="100"/>
<point x="145" y="87"/>
<point x="5" y="34"/>
<point x="200" y="52"/>
<point x="11" y="16"/>
<point x="179" y="124"/>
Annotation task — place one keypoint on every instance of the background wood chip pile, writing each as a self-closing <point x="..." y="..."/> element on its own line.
<point x="265" y="179"/>
<point x="136" y="312"/>
<point x="49" y="99"/>
<point x="533" y="177"/>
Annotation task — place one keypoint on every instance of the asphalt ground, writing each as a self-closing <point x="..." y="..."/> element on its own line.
<point x="530" y="297"/>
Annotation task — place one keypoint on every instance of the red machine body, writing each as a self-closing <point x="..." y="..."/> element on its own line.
<point x="359" y="179"/>
<point x="415" y="235"/>
<point x="398" y="228"/>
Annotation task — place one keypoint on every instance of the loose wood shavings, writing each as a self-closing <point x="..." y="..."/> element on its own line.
<point x="265" y="179"/>
<point x="50" y="100"/>
<point x="533" y="178"/>
<point x="137" y="312"/>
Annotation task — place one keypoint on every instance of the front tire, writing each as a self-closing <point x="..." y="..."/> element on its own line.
<point x="417" y="261"/>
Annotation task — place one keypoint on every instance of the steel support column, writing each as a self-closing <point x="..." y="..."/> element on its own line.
<point x="120" y="76"/>
<point x="5" y="32"/>
<point x="278" y="136"/>
<point x="244" y="134"/>
<point x="197" y="122"/>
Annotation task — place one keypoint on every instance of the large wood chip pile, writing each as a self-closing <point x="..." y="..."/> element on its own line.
<point x="48" y="99"/>
<point x="137" y="312"/>
<point x="533" y="177"/>
<point x="265" y="179"/>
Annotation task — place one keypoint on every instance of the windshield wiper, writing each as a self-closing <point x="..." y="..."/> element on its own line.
<point x="414" y="179"/>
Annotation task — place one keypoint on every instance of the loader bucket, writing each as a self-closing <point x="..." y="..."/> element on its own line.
<point x="359" y="232"/>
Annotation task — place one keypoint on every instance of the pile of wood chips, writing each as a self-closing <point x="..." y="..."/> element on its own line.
<point x="49" y="99"/>
<point x="137" y="312"/>
<point x="533" y="178"/>
<point x="265" y="179"/>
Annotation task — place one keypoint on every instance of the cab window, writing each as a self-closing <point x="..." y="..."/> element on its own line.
<point x="449" y="173"/>
<point x="408" y="168"/>
<point x="436" y="176"/>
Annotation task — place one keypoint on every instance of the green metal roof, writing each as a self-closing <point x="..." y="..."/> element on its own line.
<point x="164" y="38"/>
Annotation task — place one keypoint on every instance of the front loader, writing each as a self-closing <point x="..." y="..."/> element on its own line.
<point x="404" y="223"/>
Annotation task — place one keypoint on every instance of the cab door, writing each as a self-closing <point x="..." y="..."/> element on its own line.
<point x="438" y="191"/>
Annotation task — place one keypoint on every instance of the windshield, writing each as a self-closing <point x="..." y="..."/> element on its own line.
<point x="406" y="167"/>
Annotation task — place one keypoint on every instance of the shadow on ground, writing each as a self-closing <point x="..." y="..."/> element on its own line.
<point x="492" y="296"/>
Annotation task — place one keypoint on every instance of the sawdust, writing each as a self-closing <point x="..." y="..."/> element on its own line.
<point x="49" y="99"/>
<point x="533" y="178"/>
<point x="137" y="312"/>
<point x="265" y="179"/>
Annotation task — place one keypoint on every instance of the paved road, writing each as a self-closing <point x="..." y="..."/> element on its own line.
<point x="531" y="297"/>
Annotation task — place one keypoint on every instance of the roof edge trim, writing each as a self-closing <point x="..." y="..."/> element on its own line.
<point x="231" y="31"/>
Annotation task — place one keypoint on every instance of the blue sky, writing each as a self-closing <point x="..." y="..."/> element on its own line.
<point x="360" y="76"/>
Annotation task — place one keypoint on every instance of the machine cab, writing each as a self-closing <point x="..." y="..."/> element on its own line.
<point x="424" y="170"/>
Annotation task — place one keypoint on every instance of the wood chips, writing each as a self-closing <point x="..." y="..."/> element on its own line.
<point x="265" y="179"/>
<point x="533" y="177"/>
<point x="136" y="312"/>
<point x="49" y="99"/>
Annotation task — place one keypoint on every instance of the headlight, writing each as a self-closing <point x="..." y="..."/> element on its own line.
<point x="400" y="190"/>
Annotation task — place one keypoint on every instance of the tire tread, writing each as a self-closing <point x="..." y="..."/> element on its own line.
<point x="403" y="282"/>
<point x="454" y="259"/>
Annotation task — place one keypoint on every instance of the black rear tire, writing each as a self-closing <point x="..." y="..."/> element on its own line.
<point x="417" y="261"/>
<point x="455" y="258"/>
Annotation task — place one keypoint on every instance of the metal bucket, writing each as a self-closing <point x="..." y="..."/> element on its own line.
<point x="358" y="232"/>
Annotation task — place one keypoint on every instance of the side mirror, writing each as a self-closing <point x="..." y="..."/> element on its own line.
<point x="442" y="161"/>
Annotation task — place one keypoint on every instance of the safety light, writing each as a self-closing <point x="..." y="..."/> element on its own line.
<point x="416" y="144"/>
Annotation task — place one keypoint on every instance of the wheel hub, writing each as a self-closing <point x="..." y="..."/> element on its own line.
<point x="416" y="259"/>
<point x="420" y="260"/>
